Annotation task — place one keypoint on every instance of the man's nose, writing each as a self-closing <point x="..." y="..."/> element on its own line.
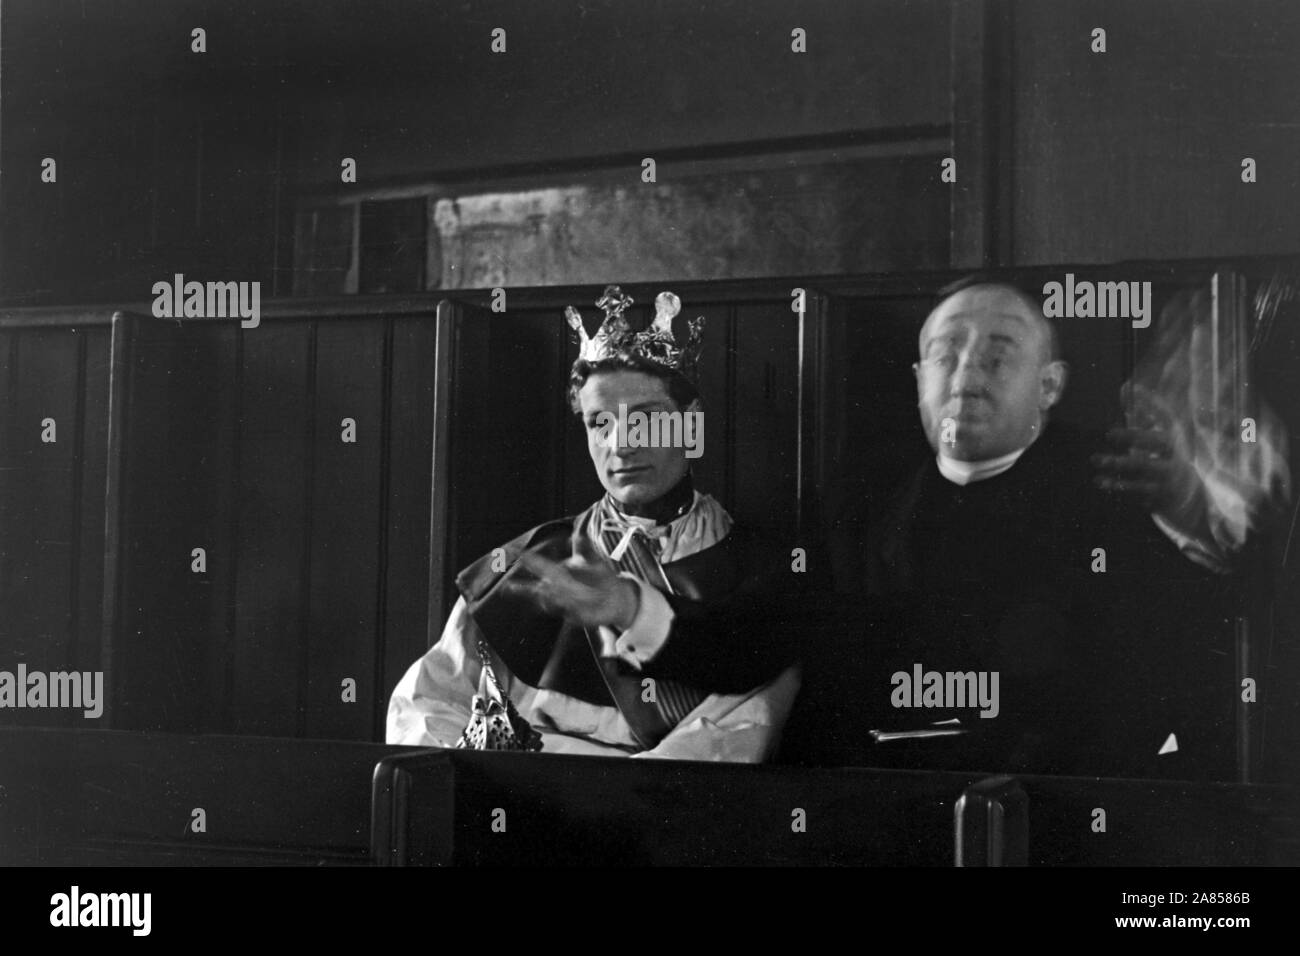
<point x="623" y="450"/>
<point x="969" y="377"/>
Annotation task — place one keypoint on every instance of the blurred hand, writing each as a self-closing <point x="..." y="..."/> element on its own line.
<point x="1151" y="461"/>
<point x="585" y="589"/>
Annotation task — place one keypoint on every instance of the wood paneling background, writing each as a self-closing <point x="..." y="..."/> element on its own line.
<point x="227" y="440"/>
<point x="52" y="499"/>
<point x="1136" y="152"/>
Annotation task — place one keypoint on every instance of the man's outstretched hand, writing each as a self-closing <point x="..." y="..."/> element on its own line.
<point x="1152" y="461"/>
<point x="585" y="589"/>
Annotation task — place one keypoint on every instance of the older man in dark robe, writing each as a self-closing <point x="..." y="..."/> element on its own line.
<point x="1061" y="604"/>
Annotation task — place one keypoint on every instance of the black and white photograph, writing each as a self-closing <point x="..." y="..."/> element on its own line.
<point x="828" y="434"/>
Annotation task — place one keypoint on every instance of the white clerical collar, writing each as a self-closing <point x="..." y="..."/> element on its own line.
<point x="965" y="472"/>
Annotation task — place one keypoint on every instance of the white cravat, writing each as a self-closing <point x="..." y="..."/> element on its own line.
<point x="965" y="472"/>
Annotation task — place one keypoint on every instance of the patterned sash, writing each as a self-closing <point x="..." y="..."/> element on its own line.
<point x="633" y="548"/>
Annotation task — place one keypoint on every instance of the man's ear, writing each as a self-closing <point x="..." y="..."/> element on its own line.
<point x="1052" y="383"/>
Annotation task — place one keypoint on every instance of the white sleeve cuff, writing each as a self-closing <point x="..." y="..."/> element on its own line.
<point x="1206" y="555"/>
<point x="648" y="632"/>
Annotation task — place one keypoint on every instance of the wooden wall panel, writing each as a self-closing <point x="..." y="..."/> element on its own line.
<point x="508" y="417"/>
<point x="347" y="527"/>
<point x="234" y="444"/>
<point x="405" y="609"/>
<point x="1136" y="153"/>
<point x="88" y="588"/>
<point x="51" y="501"/>
<point x="170" y="645"/>
<point x="43" y="553"/>
<point x="714" y="471"/>
<point x="576" y="485"/>
<point x="468" y="503"/>
<point x="765" y="398"/>
<point x="44" y="385"/>
<point x="276" y="465"/>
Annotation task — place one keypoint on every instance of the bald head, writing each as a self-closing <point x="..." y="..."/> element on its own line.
<point x="1005" y="298"/>
<point x="988" y="372"/>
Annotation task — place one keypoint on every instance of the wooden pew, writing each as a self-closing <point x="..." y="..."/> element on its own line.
<point x="438" y="807"/>
<point x="85" y="797"/>
<point x="1161" y="823"/>
<point x="92" y="797"/>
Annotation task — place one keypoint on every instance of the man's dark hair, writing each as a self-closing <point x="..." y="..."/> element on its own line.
<point x="679" y="389"/>
<point x="1032" y="302"/>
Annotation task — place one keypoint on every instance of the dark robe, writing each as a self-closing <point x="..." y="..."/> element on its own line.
<point x="1096" y="669"/>
<point x="737" y="617"/>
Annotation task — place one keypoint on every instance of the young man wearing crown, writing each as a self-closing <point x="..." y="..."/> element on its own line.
<point x="650" y="624"/>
